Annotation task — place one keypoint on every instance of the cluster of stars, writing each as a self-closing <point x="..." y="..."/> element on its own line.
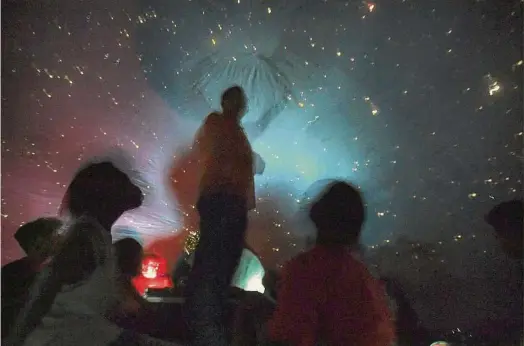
<point x="422" y="114"/>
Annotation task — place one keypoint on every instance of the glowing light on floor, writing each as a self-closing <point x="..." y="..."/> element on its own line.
<point x="254" y="284"/>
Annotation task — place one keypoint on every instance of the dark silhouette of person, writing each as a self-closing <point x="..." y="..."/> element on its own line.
<point x="408" y="327"/>
<point x="253" y="312"/>
<point x="506" y="218"/>
<point x="226" y="194"/>
<point x="129" y="254"/>
<point x="78" y="286"/>
<point x="100" y="192"/>
<point x="182" y="270"/>
<point x="38" y="239"/>
<point x="270" y="282"/>
<point x="326" y="294"/>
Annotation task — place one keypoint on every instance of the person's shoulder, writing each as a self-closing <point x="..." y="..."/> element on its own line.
<point x="85" y="221"/>
<point x="212" y="122"/>
<point x="86" y="231"/>
<point x="303" y="269"/>
<point x="15" y="268"/>
<point x="213" y="118"/>
<point x="85" y="224"/>
<point x="311" y="255"/>
<point x="299" y="262"/>
<point x="16" y="277"/>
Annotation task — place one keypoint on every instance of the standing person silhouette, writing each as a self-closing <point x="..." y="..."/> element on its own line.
<point x="226" y="194"/>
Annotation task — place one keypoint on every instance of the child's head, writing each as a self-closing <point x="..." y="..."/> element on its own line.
<point x="103" y="191"/>
<point x="338" y="215"/>
<point x="129" y="255"/>
<point x="507" y="220"/>
<point x="36" y="238"/>
<point x="234" y="101"/>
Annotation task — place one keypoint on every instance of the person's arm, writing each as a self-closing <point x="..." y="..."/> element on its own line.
<point x="258" y="163"/>
<point x="128" y="305"/>
<point x="295" y="319"/>
<point x="39" y="301"/>
<point x="46" y="285"/>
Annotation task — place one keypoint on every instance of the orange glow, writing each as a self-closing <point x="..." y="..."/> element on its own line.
<point x="371" y="6"/>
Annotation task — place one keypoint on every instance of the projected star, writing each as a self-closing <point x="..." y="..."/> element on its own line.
<point x="418" y="103"/>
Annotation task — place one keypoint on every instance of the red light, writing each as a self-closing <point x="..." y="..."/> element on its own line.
<point x="370" y="5"/>
<point x="150" y="269"/>
<point x="153" y="274"/>
<point x="153" y="266"/>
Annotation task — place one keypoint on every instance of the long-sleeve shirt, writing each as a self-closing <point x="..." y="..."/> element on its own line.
<point x="73" y="314"/>
<point x="226" y="158"/>
<point x="17" y="278"/>
<point x="328" y="296"/>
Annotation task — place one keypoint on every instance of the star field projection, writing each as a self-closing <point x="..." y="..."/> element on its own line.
<point x="419" y="103"/>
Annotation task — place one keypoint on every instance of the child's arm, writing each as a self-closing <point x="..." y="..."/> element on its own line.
<point x="258" y="163"/>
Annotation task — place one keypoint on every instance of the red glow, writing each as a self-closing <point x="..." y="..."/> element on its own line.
<point x="150" y="269"/>
<point x="153" y="274"/>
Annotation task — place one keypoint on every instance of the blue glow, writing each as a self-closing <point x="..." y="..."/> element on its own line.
<point x="299" y="158"/>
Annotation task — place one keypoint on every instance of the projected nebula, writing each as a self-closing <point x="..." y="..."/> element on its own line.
<point x="418" y="103"/>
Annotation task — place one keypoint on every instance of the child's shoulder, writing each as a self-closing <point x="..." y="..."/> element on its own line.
<point x="212" y="121"/>
<point x="304" y="259"/>
<point x="213" y="117"/>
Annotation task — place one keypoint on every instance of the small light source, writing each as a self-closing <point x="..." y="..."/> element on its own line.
<point x="254" y="284"/>
<point x="150" y="270"/>
<point x="153" y="267"/>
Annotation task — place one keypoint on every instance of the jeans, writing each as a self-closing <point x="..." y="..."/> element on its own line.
<point x="223" y="223"/>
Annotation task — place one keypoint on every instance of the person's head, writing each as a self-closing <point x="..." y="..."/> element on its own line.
<point x="338" y="214"/>
<point x="234" y="102"/>
<point x="37" y="238"/>
<point x="129" y="255"/>
<point x="507" y="220"/>
<point x="102" y="191"/>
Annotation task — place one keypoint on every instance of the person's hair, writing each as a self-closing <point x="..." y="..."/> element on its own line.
<point x="31" y="235"/>
<point x="129" y="255"/>
<point x="507" y="218"/>
<point x="100" y="186"/>
<point x="338" y="214"/>
<point x="234" y="99"/>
